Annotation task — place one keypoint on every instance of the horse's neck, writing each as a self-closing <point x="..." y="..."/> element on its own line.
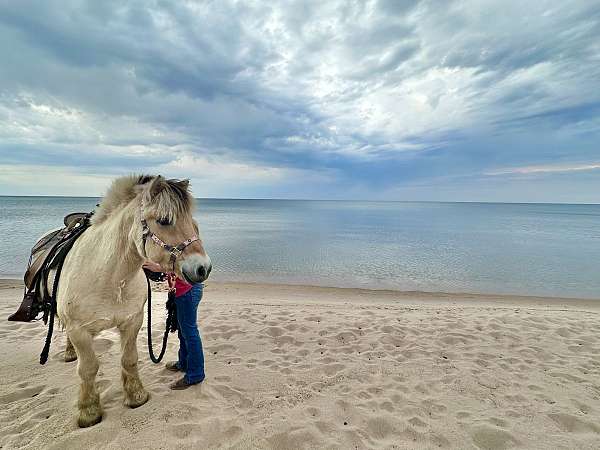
<point x="115" y="246"/>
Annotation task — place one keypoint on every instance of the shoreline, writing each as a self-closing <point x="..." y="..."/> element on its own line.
<point x="351" y="294"/>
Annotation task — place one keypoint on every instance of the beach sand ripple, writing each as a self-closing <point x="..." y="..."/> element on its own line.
<point x="310" y="368"/>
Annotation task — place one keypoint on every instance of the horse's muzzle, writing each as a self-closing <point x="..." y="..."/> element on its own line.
<point x="196" y="268"/>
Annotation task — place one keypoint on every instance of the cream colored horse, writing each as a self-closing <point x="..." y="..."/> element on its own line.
<point x="103" y="286"/>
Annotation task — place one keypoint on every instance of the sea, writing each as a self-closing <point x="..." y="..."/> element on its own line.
<point x="492" y="248"/>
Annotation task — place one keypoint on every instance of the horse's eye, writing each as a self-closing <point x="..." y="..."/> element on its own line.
<point x="165" y="222"/>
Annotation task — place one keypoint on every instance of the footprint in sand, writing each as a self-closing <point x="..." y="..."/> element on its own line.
<point x="233" y="394"/>
<point x="285" y="339"/>
<point x="379" y="428"/>
<point x="273" y="331"/>
<point x="416" y="422"/>
<point x="583" y="407"/>
<point x="313" y="412"/>
<point x="572" y="424"/>
<point x="21" y="394"/>
<point x="42" y="415"/>
<point x="497" y="422"/>
<point x="223" y="378"/>
<point x="488" y="437"/>
<point x="291" y="327"/>
<point x="182" y="430"/>
<point x="222" y="348"/>
<point x="387" y="406"/>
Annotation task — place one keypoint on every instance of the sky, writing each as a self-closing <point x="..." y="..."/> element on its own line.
<point x="372" y="100"/>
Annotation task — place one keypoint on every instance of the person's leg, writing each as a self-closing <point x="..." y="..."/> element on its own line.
<point x="187" y="311"/>
<point x="182" y="355"/>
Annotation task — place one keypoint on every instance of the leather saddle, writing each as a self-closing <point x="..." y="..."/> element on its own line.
<point x="46" y="254"/>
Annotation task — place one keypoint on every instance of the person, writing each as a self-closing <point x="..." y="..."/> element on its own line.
<point x="191" y="355"/>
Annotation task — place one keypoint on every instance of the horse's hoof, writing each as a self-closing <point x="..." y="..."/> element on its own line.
<point x="138" y="399"/>
<point x="70" y="356"/>
<point x="89" y="418"/>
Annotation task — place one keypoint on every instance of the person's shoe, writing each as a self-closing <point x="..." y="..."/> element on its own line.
<point x="182" y="384"/>
<point x="172" y="366"/>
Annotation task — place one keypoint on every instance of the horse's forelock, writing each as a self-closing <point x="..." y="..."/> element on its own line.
<point x="173" y="200"/>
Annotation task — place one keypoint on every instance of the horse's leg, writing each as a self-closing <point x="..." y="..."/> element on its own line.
<point x="90" y="411"/>
<point x="135" y="394"/>
<point x="70" y="353"/>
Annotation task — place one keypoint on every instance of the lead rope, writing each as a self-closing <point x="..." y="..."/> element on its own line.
<point x="171" y="322"/>
<point x="170" y="325"/>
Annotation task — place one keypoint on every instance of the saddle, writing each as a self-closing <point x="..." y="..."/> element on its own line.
<point x="46" y="255"/>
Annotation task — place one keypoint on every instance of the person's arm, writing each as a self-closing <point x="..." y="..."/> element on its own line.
<point x="154" y="271"/>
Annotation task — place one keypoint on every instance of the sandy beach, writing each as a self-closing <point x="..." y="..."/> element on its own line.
<point x="308" y="367"/>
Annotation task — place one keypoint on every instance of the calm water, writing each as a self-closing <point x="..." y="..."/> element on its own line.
<point x="534" y="249"/>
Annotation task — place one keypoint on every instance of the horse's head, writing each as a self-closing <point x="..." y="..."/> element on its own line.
<point x="171" y="235"/>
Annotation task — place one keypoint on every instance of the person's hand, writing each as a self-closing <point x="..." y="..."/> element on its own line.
<point x="171" y="280"/>
<point x="152" y="266"/>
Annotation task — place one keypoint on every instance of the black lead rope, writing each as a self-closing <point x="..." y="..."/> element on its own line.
<point x="170" y="325"/>
<point x="175" y="251"/>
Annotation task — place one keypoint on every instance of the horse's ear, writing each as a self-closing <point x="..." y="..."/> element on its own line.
<point x="141" y="184"/>
<point x="156" y="186"/>
<point x="184" y="184"/>
<point x="143" y="179"/>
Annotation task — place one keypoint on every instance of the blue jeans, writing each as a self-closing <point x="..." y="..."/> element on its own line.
<point x="191" y="356"/>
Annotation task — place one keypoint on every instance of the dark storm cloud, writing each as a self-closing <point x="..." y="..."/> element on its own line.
<point x="368" y="98"/>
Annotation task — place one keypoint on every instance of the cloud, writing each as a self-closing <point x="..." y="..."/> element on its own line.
<point x="236" y="179"/>
<point x="367" y="97"/>
<point x="545" y="169"/>
<point x="35" y="179"/>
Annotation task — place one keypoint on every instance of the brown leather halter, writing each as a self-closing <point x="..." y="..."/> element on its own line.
<point x="175" y="251"/>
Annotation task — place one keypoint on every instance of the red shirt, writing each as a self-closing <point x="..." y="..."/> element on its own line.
<point x="181" y="287"/>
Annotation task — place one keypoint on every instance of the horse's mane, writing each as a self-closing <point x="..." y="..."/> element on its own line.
<point x="172" y="198"/>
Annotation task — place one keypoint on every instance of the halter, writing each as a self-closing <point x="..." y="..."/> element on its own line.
<point x="175" y="251"/>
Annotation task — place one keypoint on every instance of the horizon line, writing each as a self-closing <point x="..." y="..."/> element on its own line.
<point x="334" y="200"/>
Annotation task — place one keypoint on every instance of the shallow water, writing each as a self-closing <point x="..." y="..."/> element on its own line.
<point x="530" y="249"/>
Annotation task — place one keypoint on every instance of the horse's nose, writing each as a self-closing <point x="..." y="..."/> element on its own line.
<point x="203" y="271"/>
<point x="196" y="269"/>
